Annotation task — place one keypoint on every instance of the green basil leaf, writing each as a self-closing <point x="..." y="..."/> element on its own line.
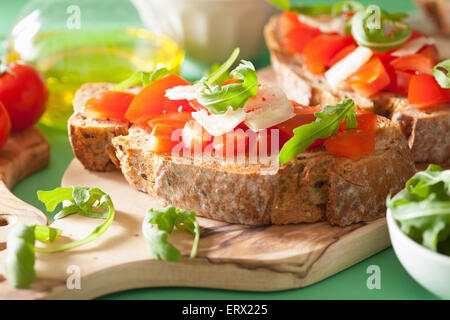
<point x="219" y="98"/>
<point x="326" y="124"/>
<point x="282" y="4"/>
<point x="368" y="29"/>
<point x="19" y="262"/>
<point x="441" y="73"/>
<point x="157" y="226"/>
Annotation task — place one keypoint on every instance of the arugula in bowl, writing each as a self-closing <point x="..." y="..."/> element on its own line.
<point x="422" y="209"/>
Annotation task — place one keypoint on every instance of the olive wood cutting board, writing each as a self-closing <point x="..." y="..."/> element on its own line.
<point x="230" y="256"/>
<point x="24" y="153"/>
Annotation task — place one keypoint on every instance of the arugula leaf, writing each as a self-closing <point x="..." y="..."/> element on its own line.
<point x="346" y="6"/>
<point x="157" y="226"/>
<point x="19" y="262"/>
<point x="326" y="124"/>
<point x="282" y="4"/>
<point x="221" y="74"/>
<point x="441" y="73"/>
<point x="219" y="98"/>
<point x="142" y="78"/>
<point x="422" y="209"/>
<point x="90" y="202"/>
<point x="367" y="34"/>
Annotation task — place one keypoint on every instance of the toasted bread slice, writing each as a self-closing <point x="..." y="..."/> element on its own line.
<point x="90" y="138"/>
<point x="428" y="132"/>
<point x="315" y="186"/>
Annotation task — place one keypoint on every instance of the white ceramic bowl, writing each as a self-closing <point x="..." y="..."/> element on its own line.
<point x="428" y="268"/>
<point x="209" y="29"/>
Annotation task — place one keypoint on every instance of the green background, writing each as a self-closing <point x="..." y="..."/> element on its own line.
<point x="348" y="284"/>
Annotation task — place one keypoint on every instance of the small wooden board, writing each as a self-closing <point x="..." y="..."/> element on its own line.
<point x="229" y="256"/>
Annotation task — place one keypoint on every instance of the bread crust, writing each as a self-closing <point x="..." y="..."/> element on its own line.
<point x="313" y="187"/>
<point x="90" y="138"/>
<point x="428" y="134"/>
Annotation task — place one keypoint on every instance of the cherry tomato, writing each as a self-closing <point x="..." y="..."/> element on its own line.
<point x="151" y="101"/>
<point x="5" y="125"/>
<point x="24" y="94"/>
<point x="319" y="50"/>
<point x="370" y="79"/>
<point x="109" y="104"/>
<point x="195" y="137"/>
<point x="425" y="92"/>
<point x="352" y="144"/>
<point x="341" y="54"/>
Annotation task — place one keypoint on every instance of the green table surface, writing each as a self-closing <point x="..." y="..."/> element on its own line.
<point x="348" y="284"/>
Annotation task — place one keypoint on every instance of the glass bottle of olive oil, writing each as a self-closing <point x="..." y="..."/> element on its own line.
<point x="70" y="57"/>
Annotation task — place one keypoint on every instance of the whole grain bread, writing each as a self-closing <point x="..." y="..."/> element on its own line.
<point x="315" y="186"/>
<point x="427" y="133"/>
<point x="91" y="138"/>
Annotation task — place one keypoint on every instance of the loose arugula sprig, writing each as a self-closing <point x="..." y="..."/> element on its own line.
<point x="441" y="73"/>
<point x="217" y="97"/>
<point x="326" y="124"/>
<point x="423" y="208"/>
<point x="157" y="226"/>
<point x="90" y="202"/>
<point x="142" y="78"/>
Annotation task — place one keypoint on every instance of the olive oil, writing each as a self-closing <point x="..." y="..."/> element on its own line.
<point x="69" y="58"/>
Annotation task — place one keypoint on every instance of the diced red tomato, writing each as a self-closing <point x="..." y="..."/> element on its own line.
<point x="232" y="143"/>
<point x="425" y="92"/>
<point x="352" y="144"/>
<point x="196" y="105"/>
<point x="319" y="50"/>
<point x="431" y="52"/>
<point x="304" y="115"/>
<point x="194" y="136"/>
<point x="151" y="101"/>
<point x="160" y="140"/>
<point x="176" y="119"/>
<point x="418" y="62"/>
<point x="301" y="109"/>
<point x="341" y="54"/>
<point x="296" y="40"/>
<point x="287" y="22"/>
<point x="109" y="105"/>
<point x="367" y="121"/>
<point x="370" y="79"/>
